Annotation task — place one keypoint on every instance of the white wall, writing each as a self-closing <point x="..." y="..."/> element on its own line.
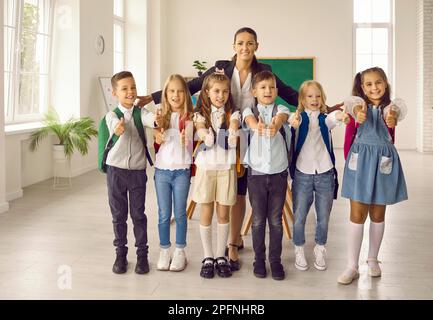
<point x="136" y="42"/>
<point x="404" y="84"/>
<point x="4" y="206"/>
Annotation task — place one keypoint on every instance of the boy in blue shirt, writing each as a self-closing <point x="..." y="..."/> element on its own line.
<point x="267" y="160"/>
<point x="126" y="173"/>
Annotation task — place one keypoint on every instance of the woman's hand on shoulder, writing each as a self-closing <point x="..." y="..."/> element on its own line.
<point x="143" y="100"/>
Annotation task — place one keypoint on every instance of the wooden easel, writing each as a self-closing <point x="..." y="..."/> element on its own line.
<point x="287" y="211"/>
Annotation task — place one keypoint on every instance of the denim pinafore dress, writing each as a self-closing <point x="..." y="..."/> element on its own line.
<point x="373" y="172"/>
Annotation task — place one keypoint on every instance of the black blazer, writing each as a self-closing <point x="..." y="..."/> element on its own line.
<point x="284" y="91"/>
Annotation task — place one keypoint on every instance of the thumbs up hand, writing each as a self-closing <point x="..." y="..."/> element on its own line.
<point x="343" y="116"/>
<point x="391" y="117"/>
<point x="296" y="120"/>
<point x="158" y="117"/>
<point x="261" y="127"/>
<point x="183" y="138"/>
<point x="209" y="140"/>
<point x="120" y="128"/>
<point x="272" y="128"/>
<point x="159" y="135"/>
<point x="360" y="113"/>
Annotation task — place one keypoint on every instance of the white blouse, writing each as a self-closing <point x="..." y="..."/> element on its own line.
<point x="172" y="155"/>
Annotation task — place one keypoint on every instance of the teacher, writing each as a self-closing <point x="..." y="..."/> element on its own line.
<point x="241" y="70"/>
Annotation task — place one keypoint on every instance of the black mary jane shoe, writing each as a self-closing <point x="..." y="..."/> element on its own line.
<point x="222" y="267"/>
<point x="234" y="265"/>
<point x="207" y="268"/>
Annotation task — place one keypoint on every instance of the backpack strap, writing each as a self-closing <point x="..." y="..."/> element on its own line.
<point x="114" y="137"/>
<point x="136" y="114"/>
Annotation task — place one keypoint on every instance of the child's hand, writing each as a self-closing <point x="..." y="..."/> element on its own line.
<point x="342" y="116"/>
<point x="296" y="120"/>
<point x="159" y="136"/>
<point x="272" y="129"/>
<point x="209" y="140"/>
<point x="158" y="117"/>
<point x="143" y="100"/>
<point x="391" y="117"/>
<point x="261" y="127"/>
<point x="233" y="138"/>
<point x="360" y="113"/>
<point x="120" y="128"/>
<point x="183" y="138"/>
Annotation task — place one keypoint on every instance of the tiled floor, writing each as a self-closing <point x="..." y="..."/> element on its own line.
<point x="58" y="245"/>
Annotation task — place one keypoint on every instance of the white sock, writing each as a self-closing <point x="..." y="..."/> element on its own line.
<point x="354" y="242"/>
<point x="222" y="237"/>
<point x="376" y="235"/>
<point x="206" y="240"/>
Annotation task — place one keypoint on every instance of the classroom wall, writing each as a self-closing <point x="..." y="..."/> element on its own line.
<point x="290" y="28"/>
<point x="4" y="205"/>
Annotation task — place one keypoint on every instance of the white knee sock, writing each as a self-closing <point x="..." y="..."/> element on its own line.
<point x="222" y="237"/>
<point x="354" y="242"/>
<point x="206" y="240"/>
<point x="376" y="235"/>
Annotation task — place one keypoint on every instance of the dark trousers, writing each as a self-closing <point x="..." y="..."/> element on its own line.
<point x="121" y="183"/>
<point x="267" y="194"/>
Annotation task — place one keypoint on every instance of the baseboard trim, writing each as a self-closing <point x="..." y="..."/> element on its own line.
<point x="10" y="196"/>
<point x="4" y="207"/>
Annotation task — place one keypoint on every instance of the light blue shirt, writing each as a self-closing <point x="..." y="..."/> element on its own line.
<point x="265" y="154"/>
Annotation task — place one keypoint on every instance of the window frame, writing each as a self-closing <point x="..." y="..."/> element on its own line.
<point x="120" y="22"/>
<point x="376" y="25"/>
<point x="11" y="115"/>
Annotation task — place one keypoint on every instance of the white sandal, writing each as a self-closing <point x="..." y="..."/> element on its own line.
<point x="374" y="269"/>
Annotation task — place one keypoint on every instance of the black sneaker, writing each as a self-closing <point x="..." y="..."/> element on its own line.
<point x="222" y="267"/>
<point x="277" y="271"/>
<point x="260" y="268"/>
<point x="207" y="268"/>
<point x="120" y="265"/>
<point x="142" y="265"/>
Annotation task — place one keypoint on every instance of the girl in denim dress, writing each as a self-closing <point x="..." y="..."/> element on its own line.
<point x="373" y="175"/>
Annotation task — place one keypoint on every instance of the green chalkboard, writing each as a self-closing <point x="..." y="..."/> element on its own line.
<point x="292" y="71"/>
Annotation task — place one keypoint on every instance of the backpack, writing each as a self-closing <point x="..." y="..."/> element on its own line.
<point x="105" y="142"/>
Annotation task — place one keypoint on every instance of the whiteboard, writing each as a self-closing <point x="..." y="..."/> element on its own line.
<point x="110" y="101"/>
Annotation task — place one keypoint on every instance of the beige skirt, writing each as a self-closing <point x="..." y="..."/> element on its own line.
<point x="215" y="185"/>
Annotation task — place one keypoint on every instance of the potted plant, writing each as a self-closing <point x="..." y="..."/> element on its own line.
<point x="200" y="66"/>
<point x="73" y="134"/>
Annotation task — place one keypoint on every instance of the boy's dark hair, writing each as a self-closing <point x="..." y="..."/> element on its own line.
<point x="262" y="75"/>
<point x="119" y="76"/>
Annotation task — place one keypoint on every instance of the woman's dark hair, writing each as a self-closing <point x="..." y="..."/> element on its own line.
<point x="255" y="63"/>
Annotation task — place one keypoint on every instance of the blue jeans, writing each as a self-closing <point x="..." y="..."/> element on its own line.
<point x="172" y="186"/>
<point x="305" y="188"/>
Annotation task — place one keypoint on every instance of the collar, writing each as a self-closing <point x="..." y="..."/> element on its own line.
<point x="125" y="110"/>
<point x="312" y="113"/>
<point x="263" y="107"/>
<point x="218" y="110"/>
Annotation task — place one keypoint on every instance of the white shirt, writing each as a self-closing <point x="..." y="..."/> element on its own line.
<point x="314" y="157"/>
<point x="172" y="155"/>
<point x="242" y="97"/>
<point x="216" y="158"/>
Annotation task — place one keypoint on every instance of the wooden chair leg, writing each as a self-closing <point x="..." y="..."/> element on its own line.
<point x="247" y="224"/>
<point x="190" y="210"/>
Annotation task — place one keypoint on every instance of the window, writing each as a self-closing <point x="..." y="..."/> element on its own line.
<point x="373" y="35"/>
<point x="119" y="36"/>
<point x="27" y="42"/>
